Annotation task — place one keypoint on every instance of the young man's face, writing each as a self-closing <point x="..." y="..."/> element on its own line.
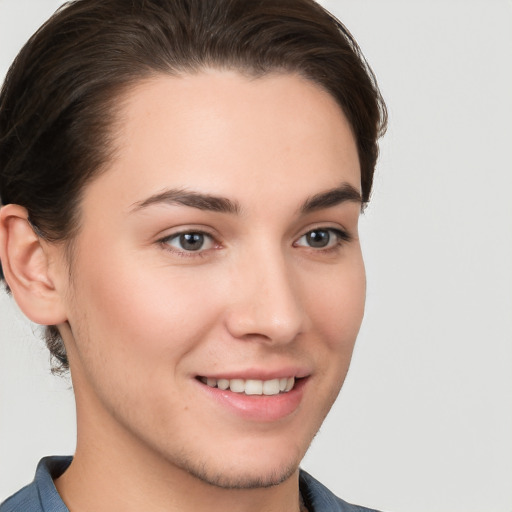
<point x="208" y="258"/>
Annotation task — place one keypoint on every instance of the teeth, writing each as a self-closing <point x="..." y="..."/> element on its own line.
<point x="289" y="385"/>
<point x="237" y="385"/>
<point x="223" y="383"/>
<point x="252" y="386"/>
<point x="271" y="387"/>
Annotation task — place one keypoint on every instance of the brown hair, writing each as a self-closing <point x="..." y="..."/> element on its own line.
<point x="58" y="101"/>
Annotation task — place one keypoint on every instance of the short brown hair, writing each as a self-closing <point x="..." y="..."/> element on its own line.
<point x="58" y="101"/>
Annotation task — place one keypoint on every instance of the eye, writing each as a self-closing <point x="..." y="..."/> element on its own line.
<point x="190" y="241"/>
<point x="322" y="238"/>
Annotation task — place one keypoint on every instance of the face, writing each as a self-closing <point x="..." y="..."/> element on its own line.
<point x="217" y="282"/>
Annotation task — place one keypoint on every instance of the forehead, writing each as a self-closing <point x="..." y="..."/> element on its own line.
<point x="227" y="132"/>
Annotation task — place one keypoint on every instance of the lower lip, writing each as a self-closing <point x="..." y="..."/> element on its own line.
<point x="263" y="408"/>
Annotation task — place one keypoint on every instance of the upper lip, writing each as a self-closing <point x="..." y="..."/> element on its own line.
<point x="260" y="373"/>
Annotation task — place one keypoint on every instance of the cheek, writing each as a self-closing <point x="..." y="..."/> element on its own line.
<point x="139" y="314"/>
<point x="337" y="307"/>
<point x="337" y="313"/>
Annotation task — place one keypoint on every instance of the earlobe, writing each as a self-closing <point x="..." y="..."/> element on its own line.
<point x="25" y="265"/>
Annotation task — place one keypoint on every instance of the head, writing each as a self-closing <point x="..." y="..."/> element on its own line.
<point x="85" y="99"/>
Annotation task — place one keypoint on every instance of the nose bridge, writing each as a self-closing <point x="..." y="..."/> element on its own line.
<point x="267" y="304"/>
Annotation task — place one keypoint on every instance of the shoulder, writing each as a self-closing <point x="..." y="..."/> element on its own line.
<point x="25" y="500"/>
<point x="319" y="499"/>
<point x="41" y="494"/>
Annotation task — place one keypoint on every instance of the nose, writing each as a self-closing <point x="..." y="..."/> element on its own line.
<point x="265" y="302"/>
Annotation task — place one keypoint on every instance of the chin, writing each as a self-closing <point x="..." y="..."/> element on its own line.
<point x="241" y="467"/>
<point x="250" y="478"/>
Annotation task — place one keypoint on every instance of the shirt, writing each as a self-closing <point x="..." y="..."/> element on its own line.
<point x="42" y="496"/>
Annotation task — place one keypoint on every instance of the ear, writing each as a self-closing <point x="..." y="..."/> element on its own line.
<point x="25" y="263"/>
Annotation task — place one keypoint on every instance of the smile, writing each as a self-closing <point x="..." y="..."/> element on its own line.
<point x="252" y="386"/>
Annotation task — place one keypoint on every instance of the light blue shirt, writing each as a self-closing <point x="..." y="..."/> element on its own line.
<point x="42" y="496"/>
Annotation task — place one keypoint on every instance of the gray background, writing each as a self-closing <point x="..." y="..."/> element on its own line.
<point x="424" y="421"/>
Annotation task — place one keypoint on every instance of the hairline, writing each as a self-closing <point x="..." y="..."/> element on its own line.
<point x="118" y="95"/>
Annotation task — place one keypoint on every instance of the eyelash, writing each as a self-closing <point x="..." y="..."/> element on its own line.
<point x="341" y="237"/>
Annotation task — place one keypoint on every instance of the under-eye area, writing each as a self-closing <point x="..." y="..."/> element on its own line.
<point x="252" y="386"/>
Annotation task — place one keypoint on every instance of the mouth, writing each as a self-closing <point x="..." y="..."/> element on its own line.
<point x="257" y="400"/>
<point x="252" y="386"/>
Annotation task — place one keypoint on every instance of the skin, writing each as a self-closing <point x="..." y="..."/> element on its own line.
<point x="142" y="317"/>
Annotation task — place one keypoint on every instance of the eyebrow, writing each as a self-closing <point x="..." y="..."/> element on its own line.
<point x="184" y="197"/>
<point x="207" y="202"/>
<point x="345" y="192"/>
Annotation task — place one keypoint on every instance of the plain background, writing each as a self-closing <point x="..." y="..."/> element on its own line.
<point x="424" y="421"/>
